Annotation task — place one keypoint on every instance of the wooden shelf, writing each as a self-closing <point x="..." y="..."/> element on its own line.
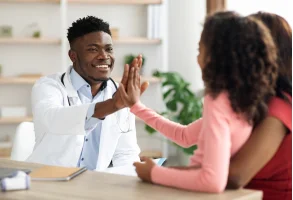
<point x="122" y="2"/>
<point x="17" y="80"/>
<point x="5" y="149"/>
<point x="15" y="120"/>
<point x="5" y="144"/>
<point x="54" y="41"/>
<point x="12" y="40"/>
<point x="20" y="80"/>
<point x="151" y="154"/>
<point x="136" y="40"/>
<point x="149" y="79"/>
<point x="29" y="1"/>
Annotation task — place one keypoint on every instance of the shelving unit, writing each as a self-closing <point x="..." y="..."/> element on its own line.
<point x="23" y="41"/>
<point x="137" y="41"/>
<point x="5" y="149"/>
<point x="28" y="81"/>
<point x="15" y="120"/>
<point x="115" y="2"/>
<point x="29" y="1"/>
<point x="55" y="41"/>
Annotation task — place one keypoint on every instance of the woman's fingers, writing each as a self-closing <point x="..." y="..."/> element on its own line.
<point x="143" y="87"/>
<point x="130" y="79"/>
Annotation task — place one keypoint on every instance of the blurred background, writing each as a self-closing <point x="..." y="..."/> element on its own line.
<point x="33" y="43"/>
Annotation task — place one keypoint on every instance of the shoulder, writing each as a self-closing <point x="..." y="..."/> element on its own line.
<point x="281" y="110"/>
<point x="279" y="106"/>
<point x="220" y="99"/>
<point x="52" y="79"/>
<point x="220" y="106"/>
<point x="221" y="102"/>
<point x="48" y="84"/>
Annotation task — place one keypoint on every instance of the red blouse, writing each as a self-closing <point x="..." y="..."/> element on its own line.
<point x="275" y="178"/>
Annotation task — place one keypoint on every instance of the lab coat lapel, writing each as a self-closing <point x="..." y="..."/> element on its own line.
<point x="107" y="139"/>
<point x="74" y="100"/>
<point x="71" y="92"/>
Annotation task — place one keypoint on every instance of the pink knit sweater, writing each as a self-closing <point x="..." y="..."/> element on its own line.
<point x="219" y="134"/>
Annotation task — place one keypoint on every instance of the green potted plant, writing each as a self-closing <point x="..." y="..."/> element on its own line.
<point x="181" y="103"/>
<point x="129" y="58"/>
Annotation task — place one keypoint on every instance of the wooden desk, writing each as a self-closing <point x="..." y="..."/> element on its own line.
<point x="103" y="186"/>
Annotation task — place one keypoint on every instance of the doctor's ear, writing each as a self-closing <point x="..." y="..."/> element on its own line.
<point x="72" y="55"/>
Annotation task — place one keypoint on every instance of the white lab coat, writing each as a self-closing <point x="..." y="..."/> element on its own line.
<point x="60" y="128"/>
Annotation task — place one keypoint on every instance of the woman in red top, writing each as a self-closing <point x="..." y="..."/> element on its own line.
<point x="265" y="161"/>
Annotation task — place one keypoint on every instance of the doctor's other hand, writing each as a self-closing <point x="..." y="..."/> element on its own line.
<point x="144" y="169"/>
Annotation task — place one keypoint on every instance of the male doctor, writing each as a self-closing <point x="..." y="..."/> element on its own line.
<point x="79" y="118"/>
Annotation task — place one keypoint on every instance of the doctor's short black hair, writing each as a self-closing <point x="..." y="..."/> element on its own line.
<point x="86" y="25"/>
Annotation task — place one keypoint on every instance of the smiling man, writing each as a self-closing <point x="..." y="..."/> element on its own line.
<point x="78" y="117"/>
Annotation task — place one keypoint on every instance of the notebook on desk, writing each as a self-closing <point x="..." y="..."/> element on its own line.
<point x="54" y="173"/>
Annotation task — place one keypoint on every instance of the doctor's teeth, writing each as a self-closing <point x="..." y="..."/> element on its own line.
<point x="102" y="66"/>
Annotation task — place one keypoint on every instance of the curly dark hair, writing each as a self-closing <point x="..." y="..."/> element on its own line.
<point x="282" y="35"/>
<point x="86" y="25"/>
<point x="242" y="60"/>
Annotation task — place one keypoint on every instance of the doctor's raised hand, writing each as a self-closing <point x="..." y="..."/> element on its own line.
<point x="136" y="63"/>
<point x="130" y="82"/>
<point x="133" y="88"/>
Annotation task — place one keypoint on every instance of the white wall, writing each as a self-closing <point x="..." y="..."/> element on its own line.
<point x="185" y="19"/>
<point x="280" y="7"/>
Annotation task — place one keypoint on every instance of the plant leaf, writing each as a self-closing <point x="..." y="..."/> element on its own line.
<point x="150" y="129"/>
<point x="172" y="105"/>
<point x="166" y="94"/>
<point x="182" y="104"/>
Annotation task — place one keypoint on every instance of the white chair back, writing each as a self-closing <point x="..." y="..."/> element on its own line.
<point x="24" y="141"/>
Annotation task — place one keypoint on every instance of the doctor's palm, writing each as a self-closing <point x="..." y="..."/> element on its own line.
<point x="134" y="90"/>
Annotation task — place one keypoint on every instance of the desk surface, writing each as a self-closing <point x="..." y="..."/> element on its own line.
<point x="103" y="186"/>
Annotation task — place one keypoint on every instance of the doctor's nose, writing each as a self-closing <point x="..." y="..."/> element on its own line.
<point x="103" y="55"/>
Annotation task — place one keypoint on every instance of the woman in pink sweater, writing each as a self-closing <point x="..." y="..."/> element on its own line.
<point x="238" y="61"/>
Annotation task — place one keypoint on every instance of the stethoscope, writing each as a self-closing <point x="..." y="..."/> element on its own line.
<point x="104" y="85"/>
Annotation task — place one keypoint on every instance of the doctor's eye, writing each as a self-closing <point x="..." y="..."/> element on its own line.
<point x="92" y="50"/>
<point x="110" y="49"/>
